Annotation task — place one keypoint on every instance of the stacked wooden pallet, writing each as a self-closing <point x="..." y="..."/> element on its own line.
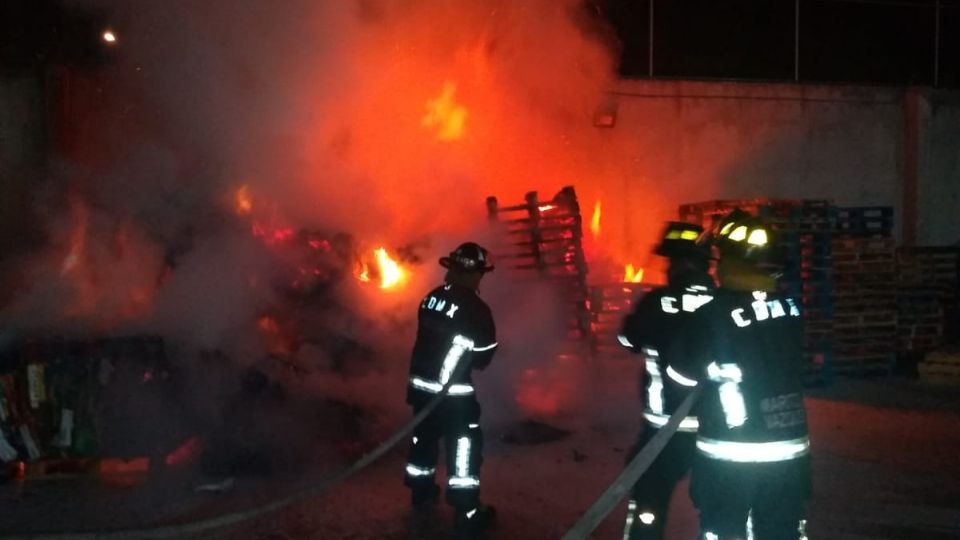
<point x="865" y="293"/>
<point x="941" y="367"/>
<point x="929" y="282"/>
<point x="919" y="318"/>
<point x="803" y="230"/>
<point x="543" y="240"/>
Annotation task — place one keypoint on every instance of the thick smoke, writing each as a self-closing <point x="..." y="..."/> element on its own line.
<point x="326" y="116"/>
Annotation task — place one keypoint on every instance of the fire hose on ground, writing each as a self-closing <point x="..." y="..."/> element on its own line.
<point x="622" y="485"/>
<point x="233" y="518"/>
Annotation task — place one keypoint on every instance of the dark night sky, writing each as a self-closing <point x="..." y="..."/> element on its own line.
<point x="855" y="41"/>
<point x="877" y="42"/>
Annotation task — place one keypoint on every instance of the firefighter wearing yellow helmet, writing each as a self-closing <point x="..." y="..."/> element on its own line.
<point x="751" y="474"/>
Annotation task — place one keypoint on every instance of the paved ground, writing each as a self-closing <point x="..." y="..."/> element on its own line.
<point x="885" y="458"/>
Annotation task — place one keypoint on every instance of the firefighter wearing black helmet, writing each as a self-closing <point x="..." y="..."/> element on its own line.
<point x="455" y="335"/>
<point x="648" y="331"/>
<point x="751" y="474"/>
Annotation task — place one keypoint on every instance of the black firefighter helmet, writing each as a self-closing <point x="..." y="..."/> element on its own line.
<point x="468" y="257"/>
<point x="680" y="241"/>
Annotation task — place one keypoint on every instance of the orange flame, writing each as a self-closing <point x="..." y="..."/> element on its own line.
<point x="595" y="221"/>
<point x="385" y="270"/>
<point x="243" y="201"/>
<point x="390" y="272"/>
<point x="363" y="272"/>
<point x="444" y="115"/>
<point x="631" y="276"/>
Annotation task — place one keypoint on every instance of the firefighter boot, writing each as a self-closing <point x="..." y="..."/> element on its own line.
<point x="471" y="523"/>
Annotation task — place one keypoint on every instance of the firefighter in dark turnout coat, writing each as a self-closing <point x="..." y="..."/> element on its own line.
<point x="648" y="330"/>
<point x="455" y="335"/>
<point x="751" y="475"/>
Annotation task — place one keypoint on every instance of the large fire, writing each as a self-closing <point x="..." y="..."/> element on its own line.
<point x="444" y="116"/>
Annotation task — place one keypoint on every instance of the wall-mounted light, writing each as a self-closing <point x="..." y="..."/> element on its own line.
<point x="109" y="37"/>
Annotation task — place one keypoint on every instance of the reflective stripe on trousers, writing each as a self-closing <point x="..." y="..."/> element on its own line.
<point x="747" y="452"/>
<point x="463" y="477"/>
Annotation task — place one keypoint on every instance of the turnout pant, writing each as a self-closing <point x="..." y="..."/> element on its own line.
<point x="457" y="422"/>
<point x="767" y="498"/>
<point x="650" y="498"/>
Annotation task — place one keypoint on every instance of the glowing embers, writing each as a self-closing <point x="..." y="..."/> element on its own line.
<point x="632" y="276"/>
<point x="745" y="452"/>
<point x="445" y="117"/>
<point x="383" y="269"/>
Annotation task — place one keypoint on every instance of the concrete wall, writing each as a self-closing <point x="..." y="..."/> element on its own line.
<point x="695" y="141"/>
<point x="938" y="188"/>
<point x="22" y="156"/>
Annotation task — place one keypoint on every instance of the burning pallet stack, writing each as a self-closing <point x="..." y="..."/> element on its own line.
<point x="543" y="239"/>
<point x="804" y="231"/>
<point x="865" y="292"/>
<point x="57" y="406"/>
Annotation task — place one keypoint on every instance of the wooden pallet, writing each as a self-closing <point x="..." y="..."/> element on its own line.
<point x="940" y="366"/>
<point x="864" y="221"/>
<point x="879" y="364"/>
<point x="543" y="239"/>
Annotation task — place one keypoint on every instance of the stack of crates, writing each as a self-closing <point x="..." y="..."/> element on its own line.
<point x="865" y="292"/>
<point x="929" y="284"/>
<point x="803" y="235"/>
<point x="544" y="240"/>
